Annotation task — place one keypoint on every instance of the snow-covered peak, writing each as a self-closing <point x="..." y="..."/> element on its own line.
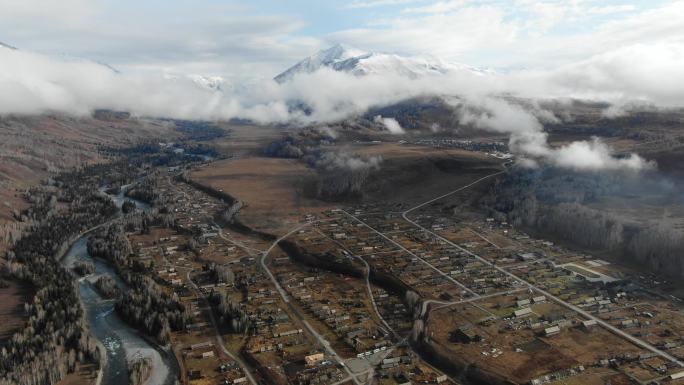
<point x="334" y="54"/>
<point x="324" y="58"/>
<point x="216" y="83"/>
<point x="359" y="63"/>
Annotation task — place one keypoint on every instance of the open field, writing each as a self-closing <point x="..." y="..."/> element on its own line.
<point x="410" y="172"/>
<point x="277" y="191"/>
<point x="246" y="139"/>
<point x="595" y="376"/>
<point x="12" y="301"/>
<point x="524" y="353"/>
<point x="271" y="188"/>
<point x="84" y="375"/>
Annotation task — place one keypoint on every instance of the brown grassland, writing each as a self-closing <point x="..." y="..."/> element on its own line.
<point x="272" y="189"/>
<point x="278" y="192"/>
<point x="12" y="299"/>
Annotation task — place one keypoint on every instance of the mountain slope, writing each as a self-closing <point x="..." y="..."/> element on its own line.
<point x="325" y="58"/>
<point x="3" y="45"/>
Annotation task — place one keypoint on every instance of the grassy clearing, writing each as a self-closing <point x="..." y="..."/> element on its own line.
<point x="12" y="299"/>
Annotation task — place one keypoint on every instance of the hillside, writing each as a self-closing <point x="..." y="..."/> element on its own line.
<point x="33" y="147"/>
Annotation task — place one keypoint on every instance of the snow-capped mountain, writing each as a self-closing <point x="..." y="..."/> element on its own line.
<point x="359" y="63"/>
<point x="331" y="57"/>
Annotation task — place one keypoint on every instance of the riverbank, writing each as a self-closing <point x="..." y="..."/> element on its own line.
<point x="118" y="342"/>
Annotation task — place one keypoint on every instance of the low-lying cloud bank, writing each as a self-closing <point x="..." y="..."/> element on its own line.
<point x="390" y="124"/>
<point x="528" y="139"/>
<point x="32" y="83"/>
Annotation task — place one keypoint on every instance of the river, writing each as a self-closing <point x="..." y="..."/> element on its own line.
<point x="120" y="342"/>
<point x="121" y="197"/>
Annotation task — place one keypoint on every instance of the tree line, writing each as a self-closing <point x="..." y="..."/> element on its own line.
<point x="145" y="305"/>
<point x="339" y="174"/>
<point x="149" y="308"/>
<point x="55" y="337"/>
<point x="557" y="202"/>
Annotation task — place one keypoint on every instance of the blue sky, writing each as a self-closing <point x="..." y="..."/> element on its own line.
<point x="260" y="38"/>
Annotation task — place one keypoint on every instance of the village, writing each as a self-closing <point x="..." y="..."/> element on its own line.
<point x="526" y="309"/>
<point x="314" y="327"/>
<point x="389" y="293"/>
<point x="367" y="293"/>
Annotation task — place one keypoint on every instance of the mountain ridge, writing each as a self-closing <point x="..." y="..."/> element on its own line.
<point x="360" y="63"/>
<point x="3" y="45"/>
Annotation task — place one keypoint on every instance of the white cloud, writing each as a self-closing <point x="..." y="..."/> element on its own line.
<point x="33" y="83"/>
<point x="650" y="73"/>
<point x="448" y="35"/>
<point x="615" y="52"/>
<point x="238" y="39"/>
<point x="521" y="33"/>
<point x="376" y="3"/>
<point x="439" y="7"/>
<point x="611" y="9"/>
<point x="528" y="140"/>
<point x="212" y="38"/>
<point x="390" y="124"/>
<point x="63" y="13"/>
<point x="595" y="155"/>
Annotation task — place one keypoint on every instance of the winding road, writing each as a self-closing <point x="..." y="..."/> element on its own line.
<point x="325" y="344"/>
<point x="473" y="296"/>
<point x="218" y="336"/>
<point x="369" y="288"/>
<point x="321" y="340"/>
<point x="409" y="252"/>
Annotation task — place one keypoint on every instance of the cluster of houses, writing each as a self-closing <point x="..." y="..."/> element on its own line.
<point x="340" y="306"/>
<point x="431" y="267"/>
<point x="464" y="144"/>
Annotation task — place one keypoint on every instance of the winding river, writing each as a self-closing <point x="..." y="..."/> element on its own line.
<point x="119" y="341"/>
